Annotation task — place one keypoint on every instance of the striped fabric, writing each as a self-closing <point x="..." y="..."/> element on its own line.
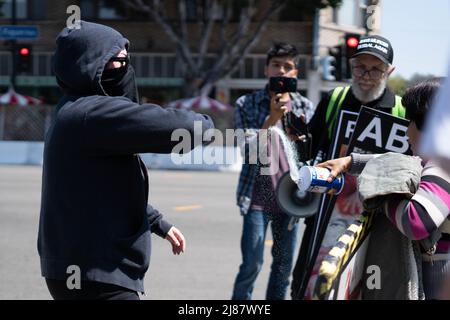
<point x="420" y="217"/>
<point x="428" y="210"/>
<point x="199" y="103"/>
<point x="13" y="98"/>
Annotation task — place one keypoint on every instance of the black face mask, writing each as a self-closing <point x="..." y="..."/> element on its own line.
<point x="120" y="82"/>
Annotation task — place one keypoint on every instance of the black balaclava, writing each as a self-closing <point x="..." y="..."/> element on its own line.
<point x="80" y="59"/>
<point x="120" y="82"/>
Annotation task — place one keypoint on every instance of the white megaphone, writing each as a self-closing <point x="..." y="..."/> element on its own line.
<point x="294" y="202"/>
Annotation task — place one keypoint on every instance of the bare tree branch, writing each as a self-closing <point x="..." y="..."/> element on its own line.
<point x="157" y="12"/>
<point x="206" y="32"/>
<point x="182" y="19"/>
<point x="244" y="24"/>
<point x="229" y="47"/>
<point x="232" y="49"/>
<point x="276" y="7"/>
<point x="225" y="21"/>
<point x="137" y="5"/>
<point x="235" y="58"/>
<point x="159" y="16"/>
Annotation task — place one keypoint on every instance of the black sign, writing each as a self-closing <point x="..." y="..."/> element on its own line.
<point x="342" y="136"/>
<point x="343" y="133"/>
<point x="379" y="132"/>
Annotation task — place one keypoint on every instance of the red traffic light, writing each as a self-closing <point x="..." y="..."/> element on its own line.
<point x="352" y="42"/>
<point x="24" y="57"/>
<point x="24" y="51"/>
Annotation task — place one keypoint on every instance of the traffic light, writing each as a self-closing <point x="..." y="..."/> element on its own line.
<point x="24" y="58"/>
<point x="328" y="64"/>
<point x="332" y="64"/>
<point x="336" y="53"/>
<point x="351" y="43"/>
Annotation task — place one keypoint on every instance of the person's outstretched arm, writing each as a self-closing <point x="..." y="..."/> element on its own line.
<point x="418" y="217"/>
<point x="118" y="126"/>
<point x="353" y="164"/>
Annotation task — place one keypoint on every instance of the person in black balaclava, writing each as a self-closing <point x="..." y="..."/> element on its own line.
<point x="95" y="222"/>
<point x="118" y="77"/>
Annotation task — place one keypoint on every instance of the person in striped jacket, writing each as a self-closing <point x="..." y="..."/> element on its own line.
<point x="427" y="212"/>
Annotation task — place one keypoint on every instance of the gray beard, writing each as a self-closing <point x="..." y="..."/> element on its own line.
<point x="368" y="96"/>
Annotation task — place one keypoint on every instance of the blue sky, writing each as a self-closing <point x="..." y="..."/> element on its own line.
<point x="419" y="31"/>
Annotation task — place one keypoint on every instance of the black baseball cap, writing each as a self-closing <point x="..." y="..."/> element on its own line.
<point x="376" y="46"/>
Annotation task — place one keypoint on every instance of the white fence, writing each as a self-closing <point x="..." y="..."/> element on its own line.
<point x="212" y="158"/>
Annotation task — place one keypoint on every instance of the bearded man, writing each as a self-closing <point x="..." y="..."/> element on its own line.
<point x="371" y="67"/>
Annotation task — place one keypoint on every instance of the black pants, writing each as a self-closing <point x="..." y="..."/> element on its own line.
<point x="89" y="291"/>
<point x="300" y="264"/>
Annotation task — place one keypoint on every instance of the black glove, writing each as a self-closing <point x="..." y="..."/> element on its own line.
<point x="304" y="148"/>
<point x="296" y="124"/>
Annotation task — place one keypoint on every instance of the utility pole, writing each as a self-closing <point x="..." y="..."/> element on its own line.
<point x="13" y="45"/>
<point x="314" y="80"/>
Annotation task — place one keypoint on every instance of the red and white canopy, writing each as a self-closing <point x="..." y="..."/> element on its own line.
<point x="199" y="103"/>
<point x="13" y="98"/>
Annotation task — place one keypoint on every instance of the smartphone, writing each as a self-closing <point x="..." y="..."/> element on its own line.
<point x="282" y="84"/>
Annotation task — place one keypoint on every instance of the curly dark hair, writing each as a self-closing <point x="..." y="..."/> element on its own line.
<point x="418" y="99"/>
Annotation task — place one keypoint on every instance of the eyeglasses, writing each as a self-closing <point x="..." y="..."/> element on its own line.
<point x="374" y="73"/>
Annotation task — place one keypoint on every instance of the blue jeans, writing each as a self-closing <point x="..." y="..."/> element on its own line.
<point x="252" y="247"/>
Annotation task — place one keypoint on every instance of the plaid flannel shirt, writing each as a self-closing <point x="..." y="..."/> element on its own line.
<point x="251" y="111"/>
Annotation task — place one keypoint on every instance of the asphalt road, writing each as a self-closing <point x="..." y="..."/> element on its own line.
<point x="200" y="204"/>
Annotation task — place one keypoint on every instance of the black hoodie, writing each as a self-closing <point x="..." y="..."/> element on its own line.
<point x="94" y="211"/>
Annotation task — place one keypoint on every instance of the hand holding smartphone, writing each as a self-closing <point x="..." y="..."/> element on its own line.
<point x="282" y="84"/>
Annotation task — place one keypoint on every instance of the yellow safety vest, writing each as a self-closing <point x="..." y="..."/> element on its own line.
<point x="335" y="103"/>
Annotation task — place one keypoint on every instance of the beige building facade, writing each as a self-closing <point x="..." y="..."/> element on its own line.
<point x="154" y="55"/>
